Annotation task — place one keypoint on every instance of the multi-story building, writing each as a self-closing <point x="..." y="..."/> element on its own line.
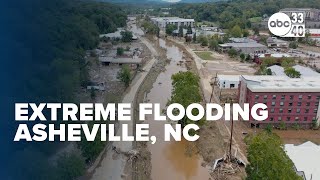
<point x="289" y="100"/>
<point x="162" y="22"/>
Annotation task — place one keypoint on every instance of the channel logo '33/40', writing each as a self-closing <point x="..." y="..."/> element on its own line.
<point x="280" y="24"/>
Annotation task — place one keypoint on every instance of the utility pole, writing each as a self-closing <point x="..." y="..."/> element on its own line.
<point x="213" y="84"/>
<point x="231" y="136"/>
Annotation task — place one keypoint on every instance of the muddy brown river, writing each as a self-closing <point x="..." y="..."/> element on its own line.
<point x="171" y="160"/>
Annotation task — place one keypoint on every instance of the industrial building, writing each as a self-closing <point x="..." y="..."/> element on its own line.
<point x="305" y="158"/>
<point x="289" y="100"/>
<point x="304" y="71"/>
<point x="228" y="81"/>
<point x="274" y="42"/>
<point x="162" y="22"/>
<point x="244" y="47"/>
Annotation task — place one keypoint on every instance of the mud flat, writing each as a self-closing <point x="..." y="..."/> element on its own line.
<point x="166" y="160"/>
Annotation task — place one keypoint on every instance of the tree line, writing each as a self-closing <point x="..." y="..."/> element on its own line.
<point x="48" y="43"/>
<point x="236" y="12"/>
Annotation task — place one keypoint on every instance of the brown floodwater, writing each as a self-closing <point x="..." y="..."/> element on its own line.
<point x="171" y="160"/>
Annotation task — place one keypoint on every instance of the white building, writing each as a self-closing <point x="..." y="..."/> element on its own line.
<point x="304" y="71"/>
<point x="162" y="22"/>
<point x="306" y="159"/>
<point x="228" y="81"/>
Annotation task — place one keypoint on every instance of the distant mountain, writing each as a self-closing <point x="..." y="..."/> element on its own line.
<point x="158" y="1"/>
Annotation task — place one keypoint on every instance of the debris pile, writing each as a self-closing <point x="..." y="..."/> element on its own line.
<point x="226" y="167"/>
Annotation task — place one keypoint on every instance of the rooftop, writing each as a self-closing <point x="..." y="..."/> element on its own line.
<point x="228" y="77"/>
<point x="275" y="40"/>
<point x="120" y="60"/>
<point x="304" y="71"/>
<point x="277" y="70"/>
<point x="171" y="19"/>
<point x="282" y="84"/>
<point x="242" y="40"/>
<point x="276" y="55"/>
<point x="242" y="45"/>
<point x="305" y="158"/>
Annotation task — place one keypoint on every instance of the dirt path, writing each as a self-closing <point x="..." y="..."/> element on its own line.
<point x="222" y="126"/>
<point x="113" y="167"/>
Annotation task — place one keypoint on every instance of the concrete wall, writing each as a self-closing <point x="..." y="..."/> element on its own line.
<point x="226" y="84"/>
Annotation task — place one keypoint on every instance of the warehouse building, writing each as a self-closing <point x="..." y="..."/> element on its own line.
<point x="289" y="100"/>
<point x="244" y="47"/>
<point x="162" y="22"/>
<point x="304" y="71"/>
<point x="305" y="158"/>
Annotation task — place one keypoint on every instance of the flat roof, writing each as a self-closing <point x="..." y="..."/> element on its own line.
<point x="120" y="60"/>
<point x="171" y="19"/>
<point x="306" y="71"/>
<point x="282" y="84"/>
<point x="277" y="70"/>
<point x="242" y="40"/>
<point x="276" y="55"/>
<point x="243" y="45"/>
<point x="306" y="158"/>
<point x="228" y="77"/>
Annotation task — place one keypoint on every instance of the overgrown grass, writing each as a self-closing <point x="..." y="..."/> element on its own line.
<point x="205" y="55"/>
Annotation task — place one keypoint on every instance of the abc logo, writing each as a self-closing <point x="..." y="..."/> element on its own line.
<point x="279" y="24"/>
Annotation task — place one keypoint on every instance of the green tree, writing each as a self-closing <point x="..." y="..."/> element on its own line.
<point x="282" y="126"/>
<point x="91" y="149"/>
<point x="242" y="56"/>
<point x="194" y="38"/>
<point x="256" y="31"/>
<point x="232" y="52"/>
<point x="292" y="73"/>
<point x="245" y="33"/>
<point x="268" y="159"/>
<point x="70" y="166"/>
<point x="248" y="58"/>
<point x="124" y="75"/>
<point x="170" y="28"/>
<point x="293" y="45"/>
<point x="236" y="31"/>
<point x="296" y="126"/>
<point x="203" y="40"/>
<point x="120" y="51"/>
<point x="126" y="36"/>
<point x="186" y="90"/>
<point x="269" y="72"/>
<point x="269" y="128"/>
<point x="181" y="31"/>
<point x="315" y="124"/>
<point x="213" y="44"/>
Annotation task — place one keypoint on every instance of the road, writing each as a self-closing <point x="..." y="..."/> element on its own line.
<point x="113" y="168"/>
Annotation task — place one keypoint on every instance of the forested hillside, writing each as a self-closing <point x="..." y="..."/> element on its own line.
<point x="237" y="12"/>
<point x="45" y="43"/>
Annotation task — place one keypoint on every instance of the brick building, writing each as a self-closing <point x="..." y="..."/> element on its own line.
<point x="288" y="100"/>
